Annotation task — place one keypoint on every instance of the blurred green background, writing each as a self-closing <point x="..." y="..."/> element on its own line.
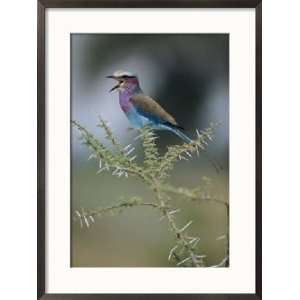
<point x="188" y="74"/>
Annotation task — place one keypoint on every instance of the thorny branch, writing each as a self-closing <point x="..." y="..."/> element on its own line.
<point x="153" y="172"/>
<point x="86" y="217"/>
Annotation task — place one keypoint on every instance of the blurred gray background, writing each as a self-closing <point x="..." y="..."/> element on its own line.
<point x="188" y="74"/>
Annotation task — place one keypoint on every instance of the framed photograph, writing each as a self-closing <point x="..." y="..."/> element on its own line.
<point x="149" y="149"/>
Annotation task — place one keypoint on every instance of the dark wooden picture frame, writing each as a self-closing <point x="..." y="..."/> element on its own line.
<point x="41" y="105"/>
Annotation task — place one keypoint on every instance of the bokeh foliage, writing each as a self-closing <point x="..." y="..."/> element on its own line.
<point x="188" y="74"/>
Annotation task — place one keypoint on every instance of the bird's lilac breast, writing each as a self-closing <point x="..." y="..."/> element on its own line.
<point x="124" y="100"/>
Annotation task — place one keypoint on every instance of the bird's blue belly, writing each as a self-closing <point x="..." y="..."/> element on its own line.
<point x="138" y="121"/>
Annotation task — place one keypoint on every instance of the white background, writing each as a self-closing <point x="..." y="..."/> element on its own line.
<point x="240" y="277"/>
<point x="281" y="201"/>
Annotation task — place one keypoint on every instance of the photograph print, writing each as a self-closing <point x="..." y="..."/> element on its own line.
<point x="150" y="150"/>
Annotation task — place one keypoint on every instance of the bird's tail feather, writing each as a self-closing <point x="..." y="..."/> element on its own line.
<point x="217" y="166"/>
<point x="180" y="134"/>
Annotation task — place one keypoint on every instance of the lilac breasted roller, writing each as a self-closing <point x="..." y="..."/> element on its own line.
<point x="142" y="110"/>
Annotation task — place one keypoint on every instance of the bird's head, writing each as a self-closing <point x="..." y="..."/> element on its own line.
<point x="126" y="81"/>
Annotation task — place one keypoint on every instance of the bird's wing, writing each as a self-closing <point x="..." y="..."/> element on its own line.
<point x="151" y="109"/>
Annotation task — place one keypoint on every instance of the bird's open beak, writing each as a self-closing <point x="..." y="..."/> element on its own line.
<point x="116" y="86"/>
